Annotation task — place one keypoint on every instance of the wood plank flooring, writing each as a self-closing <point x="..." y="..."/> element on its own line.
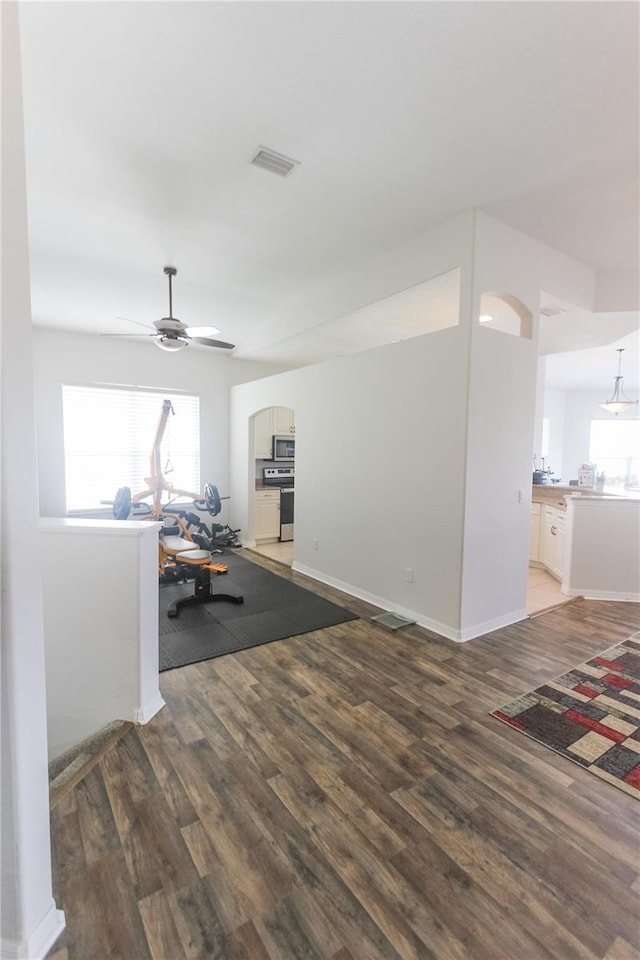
<point x="345" y="795"/>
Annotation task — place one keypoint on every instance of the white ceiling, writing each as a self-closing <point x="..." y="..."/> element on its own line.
<point x="594" y="368"/>
<point x="141" y="119"/>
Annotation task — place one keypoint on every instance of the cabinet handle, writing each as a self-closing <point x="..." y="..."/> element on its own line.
<point x="553" y="531"/>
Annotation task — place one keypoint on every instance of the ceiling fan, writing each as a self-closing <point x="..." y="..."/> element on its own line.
<point x="172" y="334"/>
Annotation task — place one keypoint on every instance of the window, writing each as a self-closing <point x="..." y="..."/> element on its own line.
<point x="108" y="436"/>
<point x="615" y="449"/>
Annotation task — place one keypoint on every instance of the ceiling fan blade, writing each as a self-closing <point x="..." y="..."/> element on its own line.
<point x="205" y="341"/>
<point x="198" y="331"/>
<point x="169" y="332"/>
<point x="147" y="326"/>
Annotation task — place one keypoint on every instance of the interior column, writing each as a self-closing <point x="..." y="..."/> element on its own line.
<point x="30" y="922"/>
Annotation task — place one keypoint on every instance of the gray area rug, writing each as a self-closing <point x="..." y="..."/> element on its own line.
<point x="273" y="609"/>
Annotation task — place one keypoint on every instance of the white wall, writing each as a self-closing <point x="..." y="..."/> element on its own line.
<point x="602" y="548"/>
<point x="457" y="407"/>
<point x="537" y="426"/>
<point x="29" y="920"/>
<point x="391" y="497"/>
<point x="617" y="291"/>
<point x="502" y="405"/>
<point x="431" y="254"/>
<point x="101" y="626"/>
<point x="73" y="358"/>
<point x="581" y="407"/>
<point x="503" y="372"/>
<point x="379" y="457"/>
<point x="498" y="480"/>
<point x="554" y="410"/>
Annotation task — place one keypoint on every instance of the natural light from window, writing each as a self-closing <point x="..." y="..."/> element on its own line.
<point x="108" y="437"/>
<point x="615" y="449"/>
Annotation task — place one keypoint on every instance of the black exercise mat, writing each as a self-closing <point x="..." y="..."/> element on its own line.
<point x="273" y="609"/>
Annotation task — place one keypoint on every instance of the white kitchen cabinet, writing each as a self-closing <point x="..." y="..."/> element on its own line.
<point x="263" y="432"/>
<point x="552" y="534"/>
<point x="267" y="514"/>
<point x="534" y="532"/>
<point x="283" y="421"/>
<point x="274" y="421"/>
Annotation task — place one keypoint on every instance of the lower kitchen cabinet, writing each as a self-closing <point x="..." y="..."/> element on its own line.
<point x="267" y="514"/>
<point x="552" y="534"/>
<point x="534" y="531"/>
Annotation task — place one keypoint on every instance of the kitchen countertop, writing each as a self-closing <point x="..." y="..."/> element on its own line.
<point x="555" y="494"/>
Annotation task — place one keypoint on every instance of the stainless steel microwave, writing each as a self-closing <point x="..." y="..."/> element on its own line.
<point x="283" y="448"/>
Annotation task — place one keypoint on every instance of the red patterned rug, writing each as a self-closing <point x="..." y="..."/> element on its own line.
<point x="590" y="715"/>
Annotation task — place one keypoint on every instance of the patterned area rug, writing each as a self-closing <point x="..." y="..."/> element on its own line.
<point x="590" y="715"/>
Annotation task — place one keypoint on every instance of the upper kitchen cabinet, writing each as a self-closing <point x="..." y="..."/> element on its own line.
<point x="263" y="435"/>
<point x="274" y="421"/>
<point x="283" y="421"/>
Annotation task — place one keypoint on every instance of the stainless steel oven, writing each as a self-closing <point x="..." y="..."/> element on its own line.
<point x="283" y="477"/>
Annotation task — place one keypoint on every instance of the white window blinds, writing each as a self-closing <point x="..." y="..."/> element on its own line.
<point x="108" y="436"/>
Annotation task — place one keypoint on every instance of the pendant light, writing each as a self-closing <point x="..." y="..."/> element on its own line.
<point x="618" y="401"/>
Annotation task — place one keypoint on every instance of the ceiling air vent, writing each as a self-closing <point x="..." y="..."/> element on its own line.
<point x="552" y="311"/>
<point x="274" y="162"/>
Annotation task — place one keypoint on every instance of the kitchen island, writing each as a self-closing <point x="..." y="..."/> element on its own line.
<point x="589" y="540"/>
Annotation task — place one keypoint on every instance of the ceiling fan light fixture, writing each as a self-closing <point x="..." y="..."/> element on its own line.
<point x="171" y="344"/>
<point x="618" y="402"/>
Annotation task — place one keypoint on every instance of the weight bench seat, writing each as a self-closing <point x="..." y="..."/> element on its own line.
<point x="180" y="546"/>
<point x="183" y="552"/>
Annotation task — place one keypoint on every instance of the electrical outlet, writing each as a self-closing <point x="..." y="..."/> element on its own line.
<point x="315" y="544"/>
<point x="409" y="575"/>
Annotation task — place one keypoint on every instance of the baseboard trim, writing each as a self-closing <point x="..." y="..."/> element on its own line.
<point x="442" y="629"/>
<point x="66" y="782"/>
<point x="37" y="945"/>
<point x="620" y="597"/>
<point x="435" y="626"/>
<point x="142" y="715"/>
<point x="481" y="629"/>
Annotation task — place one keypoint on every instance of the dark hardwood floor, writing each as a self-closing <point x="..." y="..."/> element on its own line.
<point x="345" y="795"/>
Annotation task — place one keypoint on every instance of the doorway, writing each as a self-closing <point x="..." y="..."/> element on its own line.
<point x="280" y="552"/>
<point x="543" y="591"/>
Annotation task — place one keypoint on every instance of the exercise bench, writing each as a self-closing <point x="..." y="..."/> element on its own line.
<point x="183" y="553"/>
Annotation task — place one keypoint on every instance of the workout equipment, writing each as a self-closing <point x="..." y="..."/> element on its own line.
<point x="208" y="538"/>
<point x="157" y="484"/>
<point x="185" y="543"/>
<point x="180" y="554"/>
